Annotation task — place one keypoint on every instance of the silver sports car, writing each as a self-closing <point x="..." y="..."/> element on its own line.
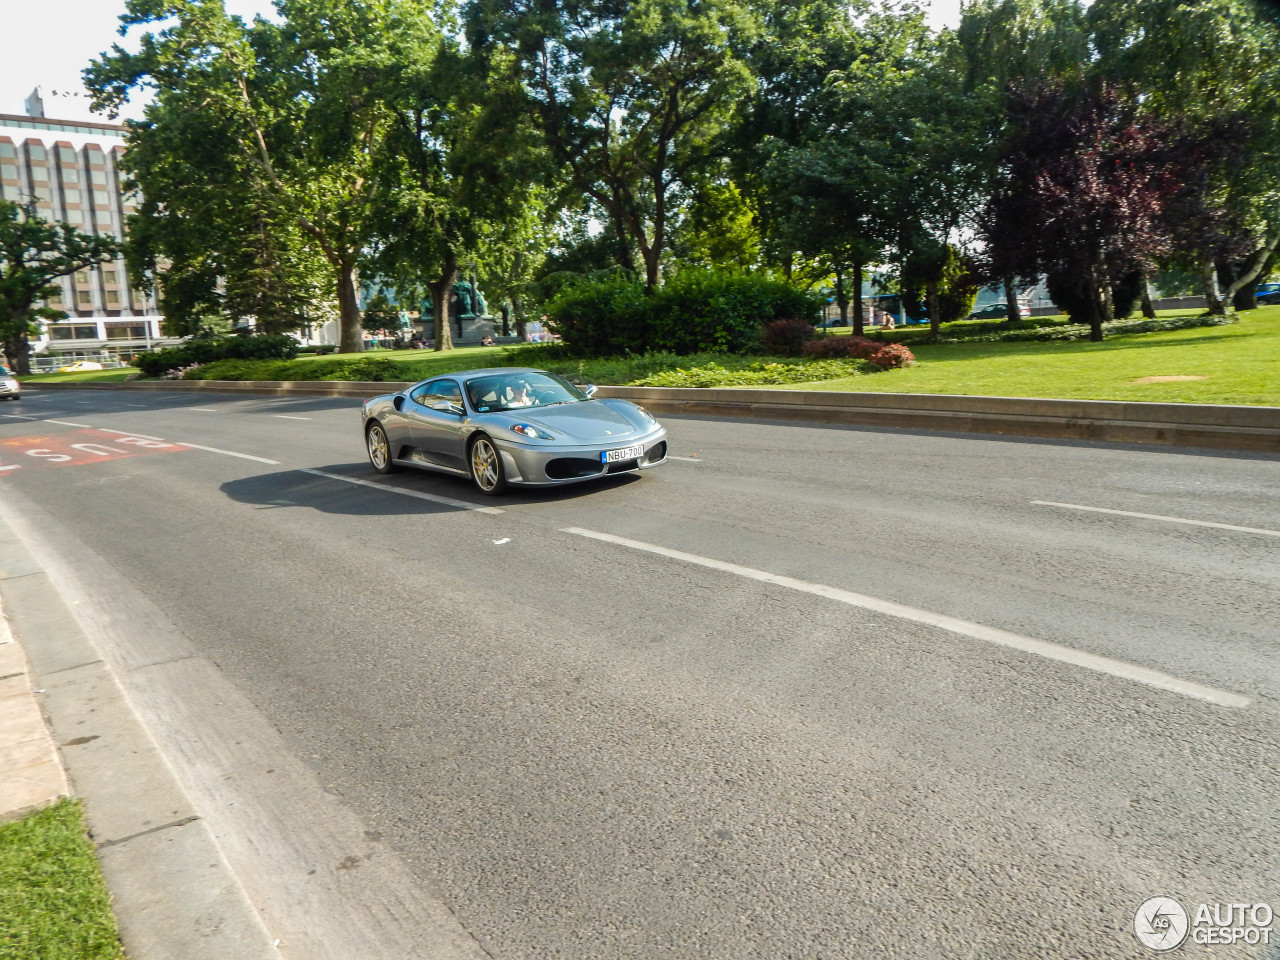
<point x="510" y="425"/>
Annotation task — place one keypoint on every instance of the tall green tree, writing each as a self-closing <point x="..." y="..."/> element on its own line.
<point x="460" y="167"/>
<point x="999" y="48"/>
<point x="1088" y="183"/>
<point x="34" y="253"/>
<point x="631" y="97"/>
<point x="281" y="110"/>
<point x="1212" y="63"/>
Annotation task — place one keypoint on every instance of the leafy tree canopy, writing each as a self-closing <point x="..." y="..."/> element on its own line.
<point x="34" y="253"/>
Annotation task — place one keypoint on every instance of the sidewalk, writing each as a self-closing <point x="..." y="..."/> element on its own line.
<point x="67" y="729"/>
<point x="31" y="774"/>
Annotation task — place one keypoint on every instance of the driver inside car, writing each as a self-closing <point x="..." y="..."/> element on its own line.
<point x="520" y="396"/>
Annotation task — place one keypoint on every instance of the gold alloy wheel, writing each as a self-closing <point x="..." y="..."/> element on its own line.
<point x="486" y="467"/>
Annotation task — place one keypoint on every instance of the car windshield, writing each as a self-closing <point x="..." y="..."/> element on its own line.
<point x="512" y="391"/>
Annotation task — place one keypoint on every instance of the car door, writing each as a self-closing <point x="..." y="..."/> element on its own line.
<point x="438" y="432"/>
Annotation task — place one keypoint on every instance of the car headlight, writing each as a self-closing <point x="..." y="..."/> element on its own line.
<point x="529" y="430"/>
<point x="646" y="414"/>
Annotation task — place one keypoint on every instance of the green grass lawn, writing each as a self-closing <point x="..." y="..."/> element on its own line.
<point x="1234" y="364"/>
<point x="56" y="906"/>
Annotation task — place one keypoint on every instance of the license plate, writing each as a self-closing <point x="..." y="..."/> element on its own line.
<point x="626" y="453"/>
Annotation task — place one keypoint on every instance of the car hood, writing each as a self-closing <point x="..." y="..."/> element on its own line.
<point x="589" y="421"/>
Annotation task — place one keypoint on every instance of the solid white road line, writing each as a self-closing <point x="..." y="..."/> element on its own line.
<point x="285" y="416"/>
<point x="448" y="501"/>
<point x="685" y="459"/>
<point x="17" y="416"/>
<point x="68" y="423"/>
<point x="1156" y="516"/>
<point x="203" y="409"/>
<point x="1043" y="648"/>
<point x="228" y="453"/>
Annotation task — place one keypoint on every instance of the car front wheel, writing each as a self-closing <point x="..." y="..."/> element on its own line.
<point x="379" y="448"/>
<point x="486" y="467"/>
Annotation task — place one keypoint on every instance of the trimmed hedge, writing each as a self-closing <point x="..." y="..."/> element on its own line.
<point x="696" y="310"/>
<point x="759" y="374"/>
<point x="205" y="350"/>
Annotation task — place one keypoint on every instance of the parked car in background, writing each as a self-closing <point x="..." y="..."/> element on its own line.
<point x="998" y="311"/>
<point x="80" y="365"/>
<point x="503" y="426"/>
<point x="1267" y="294"/>
<point x="10" y="389"/>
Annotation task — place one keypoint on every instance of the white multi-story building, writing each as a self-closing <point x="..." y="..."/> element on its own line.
<point x="71" y="170"/>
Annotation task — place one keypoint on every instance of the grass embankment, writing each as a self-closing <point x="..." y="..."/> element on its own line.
<point x="56" y="906"/>
<point x="1234" y="364"/>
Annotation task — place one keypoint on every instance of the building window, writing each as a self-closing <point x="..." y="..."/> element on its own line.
<point x="120" y="330"/>
<point x="98" y="176"/>
<point x="67" y="155"/>
<point x="113" y="298"/>
<point x="73" y="331"/>
<point x="84" y="297"/>
<point x="109" y="276"/>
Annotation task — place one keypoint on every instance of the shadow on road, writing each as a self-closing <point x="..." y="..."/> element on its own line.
<point x="405" y="493"/>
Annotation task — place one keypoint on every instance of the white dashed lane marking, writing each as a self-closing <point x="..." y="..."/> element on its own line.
<point x="434" y="498"/>
<point x="978" y="631"/>
<point x="1156" y="516"/>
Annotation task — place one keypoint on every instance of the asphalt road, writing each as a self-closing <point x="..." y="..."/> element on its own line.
<point x="801" y="692"/>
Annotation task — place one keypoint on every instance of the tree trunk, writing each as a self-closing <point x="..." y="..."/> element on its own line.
<point x="842" y="299"/>
<point x="1148" y="308"/>
<point x="440" y="291"/>
<point x="1212" y="297"/>
<point x="1098" y="311"/>
<point x="1253" y="268"/>
<point x="1011" y="299"/>
<point x="859" y="320"/>
<point x="651" y="254"/>
<point x="17" y="354"/>
<point x="350" y="338"/>
<point x="932" y="304"/>
<point x="506" y="319"/>
<point x="518" y="304"/>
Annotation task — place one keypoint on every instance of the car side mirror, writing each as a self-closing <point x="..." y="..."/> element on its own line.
<point x="590" y="389"/>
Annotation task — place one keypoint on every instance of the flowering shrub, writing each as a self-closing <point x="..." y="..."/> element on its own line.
<point x="892" y="356"/>
<point x="785" y="337"/>
<point x="883" y="355"/>
<point x="857" y="347"/>
<point x="180" y="373"/>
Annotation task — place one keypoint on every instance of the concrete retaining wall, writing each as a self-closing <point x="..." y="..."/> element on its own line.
<point x="1168" y="424"/>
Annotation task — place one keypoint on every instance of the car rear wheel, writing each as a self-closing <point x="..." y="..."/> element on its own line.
<point x="486" y="466"/>
<point x="379" y="448"/>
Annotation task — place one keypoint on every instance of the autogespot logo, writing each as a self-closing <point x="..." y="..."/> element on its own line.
<point x="1161" y="923"/>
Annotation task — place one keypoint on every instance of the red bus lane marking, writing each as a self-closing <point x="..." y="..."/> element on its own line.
<point x="76" y="449"/>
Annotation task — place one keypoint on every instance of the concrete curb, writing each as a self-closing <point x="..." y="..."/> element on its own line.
<point x="1218" y="427"/>
<point x="174" y="895"/>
